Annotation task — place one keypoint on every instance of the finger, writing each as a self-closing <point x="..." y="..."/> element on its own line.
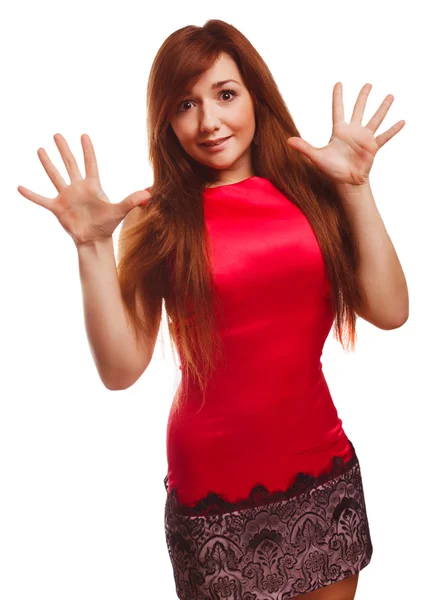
<point x="139" y="198"/>
<point x="51" y="171"/>
<point x="378" y="117"/>
<point x="303" y="146"/>
<point x="91" y="166"/>
<point x="358" y="110"/>
<point x="36" y="198"/>
<point x="338" y="106"/>
<point x="388" y="135"/>
<point x="68" y="158"/>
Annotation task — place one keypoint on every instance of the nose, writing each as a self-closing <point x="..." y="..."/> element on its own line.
<point x="209" y="120"/>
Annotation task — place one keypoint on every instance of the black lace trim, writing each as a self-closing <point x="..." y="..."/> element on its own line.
<point x="214" y="504"/>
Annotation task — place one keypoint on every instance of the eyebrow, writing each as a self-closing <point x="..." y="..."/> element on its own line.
<point x="214" y="86"/>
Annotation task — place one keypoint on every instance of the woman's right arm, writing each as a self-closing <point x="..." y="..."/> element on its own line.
<point x="86" y="213"/>
<point x="120" y="361"/>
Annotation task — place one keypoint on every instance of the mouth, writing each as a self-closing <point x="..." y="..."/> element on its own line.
<point x="218" y="146"/>
<point x="216" y="142"/>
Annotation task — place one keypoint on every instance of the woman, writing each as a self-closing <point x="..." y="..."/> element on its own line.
<point x="257" y="242"/>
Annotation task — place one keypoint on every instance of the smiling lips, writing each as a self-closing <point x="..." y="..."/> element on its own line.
<point x="215" y="142"/>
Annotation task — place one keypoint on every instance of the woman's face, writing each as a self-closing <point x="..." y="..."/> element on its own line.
<point x="206" y="113"/>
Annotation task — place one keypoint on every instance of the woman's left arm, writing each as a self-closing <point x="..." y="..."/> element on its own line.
<point x="347" y="160"/>
<point x="382" y="284"/>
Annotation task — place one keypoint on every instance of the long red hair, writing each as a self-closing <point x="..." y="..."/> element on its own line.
<point x="165" y="255"/>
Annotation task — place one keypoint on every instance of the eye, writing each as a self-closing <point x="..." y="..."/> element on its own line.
<point x="232" y="92"/>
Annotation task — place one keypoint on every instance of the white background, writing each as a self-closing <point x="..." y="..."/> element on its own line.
<point x="82" y="468"/>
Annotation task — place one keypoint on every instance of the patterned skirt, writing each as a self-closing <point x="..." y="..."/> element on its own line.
<point x="272" y="545"/>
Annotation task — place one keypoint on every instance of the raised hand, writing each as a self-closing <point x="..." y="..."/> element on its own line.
<point x="351" y="150"/>
<point x="82" y="207"/>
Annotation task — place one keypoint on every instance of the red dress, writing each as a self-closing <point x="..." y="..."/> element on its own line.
<point x="264" y="490"/>
<point x="268" y="412"/>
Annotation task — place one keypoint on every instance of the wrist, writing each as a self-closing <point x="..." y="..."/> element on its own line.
<point x="349" y="188"/>
<point x="95" y="246"/>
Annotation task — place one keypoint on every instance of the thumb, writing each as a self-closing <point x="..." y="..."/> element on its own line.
<point x="302" y="146"/>
<point x="140" y="198"/>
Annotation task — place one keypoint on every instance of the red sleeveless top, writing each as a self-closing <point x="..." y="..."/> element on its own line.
<point x="268" y="413"/>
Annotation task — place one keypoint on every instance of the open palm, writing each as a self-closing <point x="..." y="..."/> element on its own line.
<point x="348" y="157"/>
